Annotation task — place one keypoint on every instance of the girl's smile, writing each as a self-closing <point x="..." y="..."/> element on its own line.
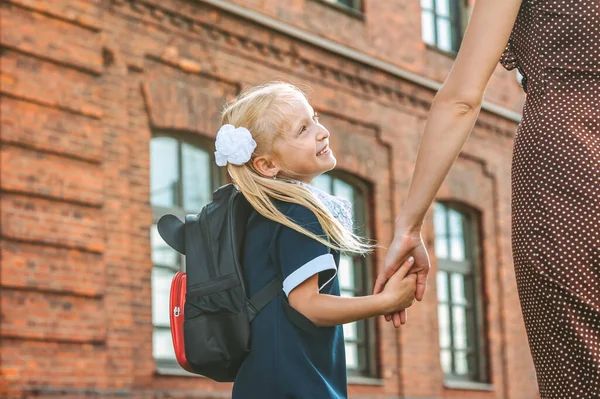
<point x="324" y="151"/>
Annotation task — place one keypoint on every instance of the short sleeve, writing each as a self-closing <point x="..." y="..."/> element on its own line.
<point x="301" y="257"/>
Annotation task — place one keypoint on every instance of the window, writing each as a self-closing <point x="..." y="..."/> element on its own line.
<point x="354" y="277"/>
<point x="443" y="23"/>
<point x="182" y="179"/>
<point x="347" y="4"/>
<point x="460" y="332"/>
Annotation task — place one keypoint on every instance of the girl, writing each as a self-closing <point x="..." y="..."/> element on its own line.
<point x="274" y="146"/>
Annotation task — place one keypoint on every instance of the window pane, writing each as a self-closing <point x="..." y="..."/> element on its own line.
<point x="444" y="325"/>
<point x="323" y="182"/>
<point x="197" y="186"/>
<point x="161" y="287"/>
<point x="428" y="4"/>
<point x="459" y="321"/>
<point x="457" y="239"/>
<point x="444" y="34"/>
<point x="460" y="363"/>
<point x="344" y="190"/>
<point x="427" y="27"/>
<point x="455" y="220"/>
<point x="351" y="331"/>
<point x="442" y="286"/>
<point x="162" y="344"/>
<point x="441" y="247"/>
<point x="439" y="220"/>
<point x="162" y="254"/>
<point x="441" y="231"/>
<point x="346" y="272"/>
<point x="446" y="360"/>
<point x="458" y="289"/>
<point x="457" y="249"/>
<point x="351" y="355"/>
<point x="163" y="172"/>
<point x="442" y="7"/>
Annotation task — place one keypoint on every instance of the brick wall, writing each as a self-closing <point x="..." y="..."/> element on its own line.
<point x="83" y="85"/>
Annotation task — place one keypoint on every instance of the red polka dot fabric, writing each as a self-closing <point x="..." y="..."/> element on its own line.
<point x="555" y="44"/>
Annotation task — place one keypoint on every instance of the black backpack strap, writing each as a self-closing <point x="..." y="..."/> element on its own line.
<point x="192" y="238"/>
<point x="264" y="296"/>
<point x="301" y="321"/>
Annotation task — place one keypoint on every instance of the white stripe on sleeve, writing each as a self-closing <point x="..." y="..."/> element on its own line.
<point x="309" y="269"/>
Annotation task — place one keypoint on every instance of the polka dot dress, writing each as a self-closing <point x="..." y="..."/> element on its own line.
<point x="555" y="44"/>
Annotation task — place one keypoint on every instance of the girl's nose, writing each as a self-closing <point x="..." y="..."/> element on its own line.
<point x="323" y="134"/>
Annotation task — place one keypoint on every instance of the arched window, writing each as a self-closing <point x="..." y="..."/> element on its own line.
<point x="355" y="274"/>
<point x="461" y="334"/>
<point x="183" y="175"/>
<point x="182" y="178"/>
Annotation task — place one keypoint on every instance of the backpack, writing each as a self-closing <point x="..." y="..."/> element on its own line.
<point x="210" y="311"/>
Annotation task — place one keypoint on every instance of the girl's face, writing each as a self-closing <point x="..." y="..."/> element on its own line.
<point x="303" y="152"/>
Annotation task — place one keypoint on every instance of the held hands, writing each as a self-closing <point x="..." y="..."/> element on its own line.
<point x="406" y="243"/>
<point x="399" y="292"/>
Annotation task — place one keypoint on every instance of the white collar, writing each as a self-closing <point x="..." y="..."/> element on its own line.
<point x="340" y="208"/>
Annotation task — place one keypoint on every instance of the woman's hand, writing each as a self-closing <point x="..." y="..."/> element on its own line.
<point x="407" y="242"/>
<point x="399" y="292"/>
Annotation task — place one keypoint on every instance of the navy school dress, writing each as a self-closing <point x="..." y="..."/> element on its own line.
<point x="285" y="360"/>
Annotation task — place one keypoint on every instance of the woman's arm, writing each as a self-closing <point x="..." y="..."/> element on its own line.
<point x="451" y="118"/>
<point x="457" y="104"/>
<point x="331" y="310"/>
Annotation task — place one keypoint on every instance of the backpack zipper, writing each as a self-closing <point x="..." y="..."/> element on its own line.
<point x="178" y="287"/>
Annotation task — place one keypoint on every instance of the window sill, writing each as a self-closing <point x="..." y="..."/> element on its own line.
<point x="346" y="10"/>
<point x="357" y="380"/>
<point x="468" y="385"/>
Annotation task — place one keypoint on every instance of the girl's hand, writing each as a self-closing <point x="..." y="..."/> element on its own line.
<point x="399" y="292"/>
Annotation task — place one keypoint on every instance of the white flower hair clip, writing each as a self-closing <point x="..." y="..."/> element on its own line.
<point x="234" y="145"/>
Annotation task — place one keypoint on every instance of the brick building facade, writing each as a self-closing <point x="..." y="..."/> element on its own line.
<point x="95" y="94"/>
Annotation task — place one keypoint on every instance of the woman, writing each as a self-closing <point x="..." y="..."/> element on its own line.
<point x="555" y="176"/>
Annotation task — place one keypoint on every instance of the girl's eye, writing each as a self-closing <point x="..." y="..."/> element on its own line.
<point x="302" y="129"/>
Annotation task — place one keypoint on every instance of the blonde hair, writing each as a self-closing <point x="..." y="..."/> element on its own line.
<point x="257" y="110"/>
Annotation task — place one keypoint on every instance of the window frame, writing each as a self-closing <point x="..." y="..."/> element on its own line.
<point x="472" y="267"/>
<point x="217" y="178"/>
<point x="364" y="265"/>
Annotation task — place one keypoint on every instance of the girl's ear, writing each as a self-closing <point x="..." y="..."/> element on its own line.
<point x="265" y="166"/>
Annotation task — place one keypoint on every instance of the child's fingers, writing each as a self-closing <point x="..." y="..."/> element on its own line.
<point x="388" y="317"/>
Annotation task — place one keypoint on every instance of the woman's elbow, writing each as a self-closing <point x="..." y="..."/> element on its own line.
<point x="462" y="102"/>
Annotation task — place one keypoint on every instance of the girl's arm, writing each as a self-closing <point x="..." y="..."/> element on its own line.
<point x="451" y="118"/>
<point x="330" y="310"/>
